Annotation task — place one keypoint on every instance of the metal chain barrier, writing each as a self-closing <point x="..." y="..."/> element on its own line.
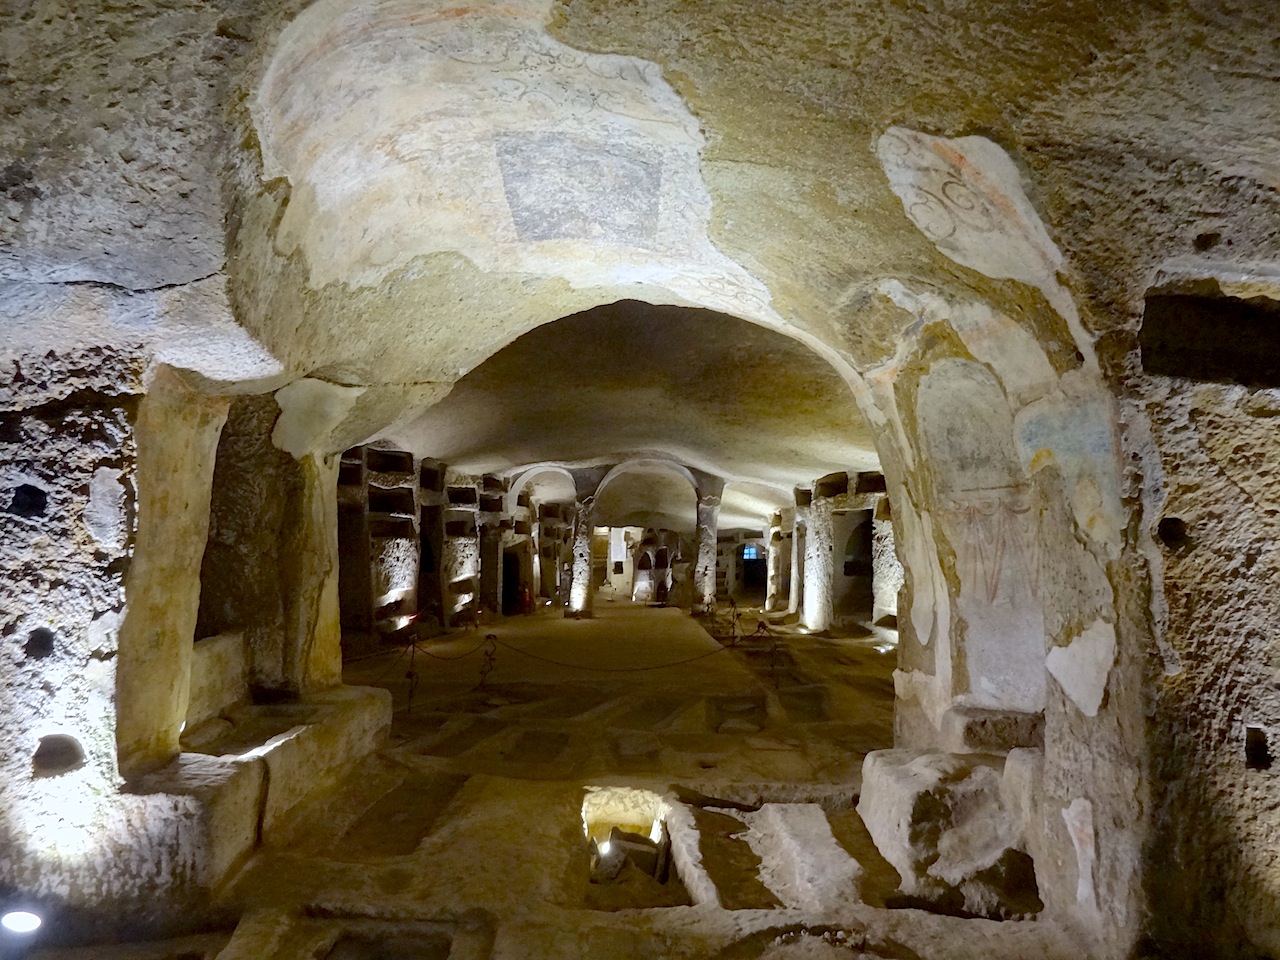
<point x="490" y="659"/>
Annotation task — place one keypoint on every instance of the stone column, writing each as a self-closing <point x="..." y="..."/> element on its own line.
<point x="887" y="575"/>
<point x="460" y="566"/>
<point x="491" y="567"/>
<point x="535" y="548"/>
<point x="797" y="559"/>
<point x="312" y="655"/>
<point x="581" y="594"/>
<point x="177" y="437"/>
<point x="773" y="565"/>
<point x="819" y="566"/>
<point x="704" y="571"/>
<point x="529" y="573"/>
<point x="431" y="585"/>
<point x="564" y="571"/>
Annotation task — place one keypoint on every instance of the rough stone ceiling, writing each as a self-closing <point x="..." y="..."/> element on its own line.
<point x="711" y="391"/>
<point x="651" y="498"/>
<point x="799" y="87"/>
<point x="356" y="255"/>
<point x="547" y="486"/>
<point x="530" y="160"/>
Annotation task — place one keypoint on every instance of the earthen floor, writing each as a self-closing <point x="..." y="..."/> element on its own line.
<point x="464" y="837"/>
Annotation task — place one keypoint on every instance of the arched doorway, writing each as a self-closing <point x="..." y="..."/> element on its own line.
<point x="754" y="567"/>
<point x="853" y="596"/>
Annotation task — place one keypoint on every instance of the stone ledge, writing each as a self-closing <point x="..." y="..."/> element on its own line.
<point x="244" y="790"/>
<point x="222" y="822"/>
<point x="976" y="730"/>
<point x="352" y="723"/>
<point x="943" y="822"/>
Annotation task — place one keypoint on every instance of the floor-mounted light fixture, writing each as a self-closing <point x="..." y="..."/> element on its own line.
<point x="20" y="921"/>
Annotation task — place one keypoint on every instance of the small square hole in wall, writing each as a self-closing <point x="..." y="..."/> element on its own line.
<point x="389" y="461"/>
<point x="1257" y="751"/>
<point x="463" y="495"/>
<point x="1201" y="333"/>
<point x="431" y="476"/>
<point x="436" y="946"/>
<point x="460" y="528"/>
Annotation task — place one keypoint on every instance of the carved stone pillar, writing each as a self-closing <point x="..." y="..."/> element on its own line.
<point x="312" y="653"/>
<point x="491" y="567"/>
<point x="177" y="441"/>
<point x="773" y="565"/>
<point x="887" y="574"/>
<point x="819" y="566"/>
<point x="704" y="572"/>
<point x="797" y="564"/>
<point x="581" y="594"/>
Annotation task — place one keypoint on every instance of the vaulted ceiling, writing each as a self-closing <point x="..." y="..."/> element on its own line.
<point x="707" y="390"/>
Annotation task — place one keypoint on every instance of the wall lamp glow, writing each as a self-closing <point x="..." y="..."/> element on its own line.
<point x="20" y="921"/>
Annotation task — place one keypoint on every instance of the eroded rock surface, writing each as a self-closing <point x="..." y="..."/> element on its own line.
<point x="941" y="821"/>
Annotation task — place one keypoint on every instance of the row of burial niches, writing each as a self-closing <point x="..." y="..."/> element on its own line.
<point x="423" y="549"/>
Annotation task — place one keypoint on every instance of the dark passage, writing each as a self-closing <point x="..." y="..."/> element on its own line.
<point x="510" y="583"/>
<point x="1212" y="337"/>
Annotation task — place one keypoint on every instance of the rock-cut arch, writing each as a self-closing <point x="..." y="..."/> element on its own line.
<point x="496" y="178"/>
<point x="528" y="475"/>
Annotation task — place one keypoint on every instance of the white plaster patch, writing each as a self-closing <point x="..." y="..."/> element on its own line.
<point x="993" y="338"/>
<point x="1024" y="370"/>
<point x="966" y="428"/>
<point x="966" y="196"/>
<point x="1021" y="785"/>
<point x="1004" y="644"/>
<point x="412" y="128"/>
<point x="881" y="406"/>
<point x="104" y="514"/>
<point x="925" y="689"/>
<point x="1066" y="421"/>
<point x="310" y="410"/>
<point x="800" y="861"/>
<point x="1081" y="668"/>
<point x="930" y="600"/>
<point x="1079" y="819"/>
<point x="966" y="432"/>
